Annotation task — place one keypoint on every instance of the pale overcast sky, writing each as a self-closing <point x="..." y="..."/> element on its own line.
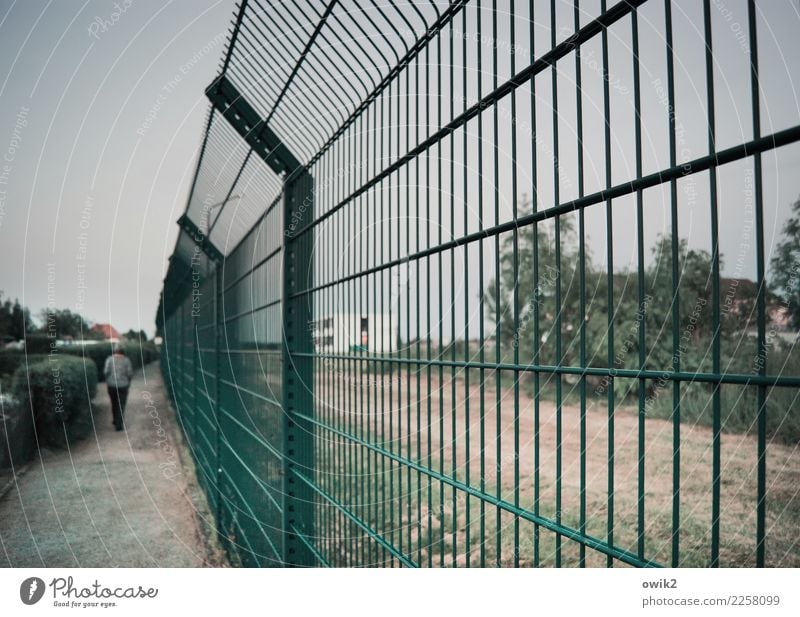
<point x="102" y="128"/>
<point x="102" y="116"/>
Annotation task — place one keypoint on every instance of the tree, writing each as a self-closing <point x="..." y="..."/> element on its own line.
<point x="654" y="313"/>
<point x="134" y="335"/>
<point x="94" y="335"/>
<point x="694" y="293"/>
<point x="785" y="265"/>
<point x="536" y="297"/>
<point x="15" y="320"/>
<point x="63" y="322"/>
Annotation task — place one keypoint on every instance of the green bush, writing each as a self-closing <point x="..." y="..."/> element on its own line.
<point x="97" y="353"/>
<point x="143" y="354"/>
<point x="59" y="390"/>
<point x="38" y="343"/>
<point x="10" y="361"/>
<point x="739" y="404"/>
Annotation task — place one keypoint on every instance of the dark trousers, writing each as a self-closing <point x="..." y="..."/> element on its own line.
<point x="118" y="396"/>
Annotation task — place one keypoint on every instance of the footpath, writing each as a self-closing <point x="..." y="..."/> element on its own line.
<point x="115" y="499"/>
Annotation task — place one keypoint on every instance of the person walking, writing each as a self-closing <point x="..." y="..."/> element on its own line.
<point x="118" y="371"/>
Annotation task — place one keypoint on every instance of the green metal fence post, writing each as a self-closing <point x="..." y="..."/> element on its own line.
<point x="218" y="324"/>
<point x="298" y="390"/>
<point x="195" y="344"/>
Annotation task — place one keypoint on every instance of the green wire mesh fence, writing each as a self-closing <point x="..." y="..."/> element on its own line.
<point x="398" y="327"/>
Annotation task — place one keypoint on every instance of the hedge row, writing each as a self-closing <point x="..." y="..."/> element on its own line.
<point x="38" y="343"/>
<point x="97" y="353"/>
<point x="10" y="361"/>
<point x="59" y="390"/>
<point x="138" y="354"/>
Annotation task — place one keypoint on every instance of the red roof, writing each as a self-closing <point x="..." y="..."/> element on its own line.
<point x="107" y="330"/>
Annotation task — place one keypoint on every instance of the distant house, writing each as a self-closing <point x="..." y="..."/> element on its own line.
<point x="107" y="331"/>
<point x="355" y="332"/>
<point x="738" y="297"/>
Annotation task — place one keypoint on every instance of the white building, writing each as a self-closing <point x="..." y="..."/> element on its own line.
<point x="355" y="332"/>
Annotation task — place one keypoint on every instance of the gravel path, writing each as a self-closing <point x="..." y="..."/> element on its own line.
<point x="116" y="499"/>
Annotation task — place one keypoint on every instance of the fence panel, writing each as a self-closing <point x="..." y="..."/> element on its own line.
<point x="434" y="301"/>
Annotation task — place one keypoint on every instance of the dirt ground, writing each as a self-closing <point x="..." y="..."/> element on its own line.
<point x="401" y="426"/>
<point x="115" y="499"/>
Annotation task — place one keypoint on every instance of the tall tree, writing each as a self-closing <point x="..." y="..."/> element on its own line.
<point x="655" y="313"/>
<point x="785" y="265"/>
<point x="63" y="322"/>
<point x="15" y="319"/>
<point x="136" y="335"/>
<point x="694" y="289"/>
<point x="536" y="296"/>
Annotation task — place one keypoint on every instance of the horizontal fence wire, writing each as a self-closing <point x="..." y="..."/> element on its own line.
<point x="400" y="324"/>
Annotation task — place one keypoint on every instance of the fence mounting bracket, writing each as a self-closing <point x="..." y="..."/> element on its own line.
<point x="201" y="239"/>
<point x="249" y="124"/>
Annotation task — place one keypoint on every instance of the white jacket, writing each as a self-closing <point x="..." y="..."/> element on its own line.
<point x="118" y="371"/>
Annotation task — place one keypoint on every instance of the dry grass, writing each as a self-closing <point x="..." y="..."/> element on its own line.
<point x="434" y="524"/>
